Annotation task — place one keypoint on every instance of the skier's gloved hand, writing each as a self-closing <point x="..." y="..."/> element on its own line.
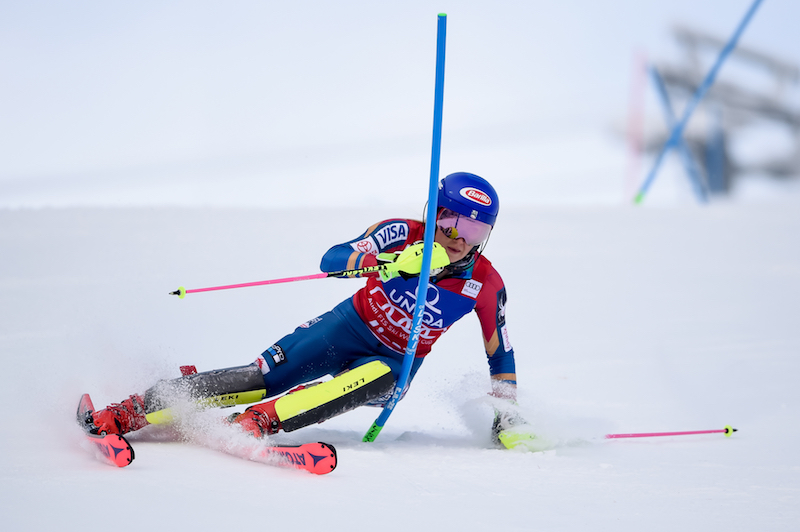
<point x="409" y="262"/>
<point x="504" y="420"/>
<point x="511" y="431"/>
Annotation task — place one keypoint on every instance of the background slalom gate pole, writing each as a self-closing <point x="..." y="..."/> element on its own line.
<point x="692" y="169"/>
<point x="430" y="230"/>
<point x="728" y="431"/>
<point x="677" y="131"/>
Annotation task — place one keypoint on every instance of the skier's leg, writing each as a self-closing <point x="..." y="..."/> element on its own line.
<point x="138" y="411"/>
<point x="302" y="356"/>
<point x="319" y="402"/>
<point x="336" y="341"/>
<point x="203" y="385"/>
<point x="367" y="374"/>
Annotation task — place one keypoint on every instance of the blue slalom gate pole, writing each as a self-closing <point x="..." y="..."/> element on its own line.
<point x="427" y="248"/>
<point x="677" y="131"/>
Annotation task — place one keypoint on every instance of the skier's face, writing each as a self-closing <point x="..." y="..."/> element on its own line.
<point x="456" y="249"/>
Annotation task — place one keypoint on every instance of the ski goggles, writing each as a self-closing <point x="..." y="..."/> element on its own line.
<point x="455" y="225"/>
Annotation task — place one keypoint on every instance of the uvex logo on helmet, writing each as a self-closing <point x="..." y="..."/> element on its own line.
<point x="471" y="193"/>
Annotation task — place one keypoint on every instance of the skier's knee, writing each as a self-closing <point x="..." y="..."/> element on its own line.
<point x="346" y="391"/>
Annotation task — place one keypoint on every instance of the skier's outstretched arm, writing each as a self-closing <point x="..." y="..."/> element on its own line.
<point x="362" y="251"/>
<point x="509" y="429"/>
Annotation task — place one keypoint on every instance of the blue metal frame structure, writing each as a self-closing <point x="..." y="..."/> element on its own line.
<point x="677" y="131"/>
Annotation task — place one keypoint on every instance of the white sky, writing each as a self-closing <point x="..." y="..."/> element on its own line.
<point x="186" y="93"/>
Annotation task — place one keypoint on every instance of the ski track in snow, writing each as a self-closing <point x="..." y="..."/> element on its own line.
<point x="623" y="320"/>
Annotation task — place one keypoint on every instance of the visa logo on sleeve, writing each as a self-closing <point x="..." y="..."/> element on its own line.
<point x="391" y="234"/>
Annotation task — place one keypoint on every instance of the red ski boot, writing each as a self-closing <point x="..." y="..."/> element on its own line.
<point x="120" y="418"/>
<point x="259" y="420"/>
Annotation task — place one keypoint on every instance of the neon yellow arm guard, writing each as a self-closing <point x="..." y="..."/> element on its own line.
<point x="409" y="262"/>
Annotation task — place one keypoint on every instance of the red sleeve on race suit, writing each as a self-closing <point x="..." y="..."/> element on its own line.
<point x="386" y="236"/>
<point x="491" y="309"/>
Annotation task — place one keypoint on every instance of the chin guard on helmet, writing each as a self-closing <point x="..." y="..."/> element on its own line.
<point x="459" y="269"/>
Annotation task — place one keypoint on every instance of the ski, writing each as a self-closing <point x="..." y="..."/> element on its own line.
<point x="110" y="448"/>
<point x="318" y="458"/>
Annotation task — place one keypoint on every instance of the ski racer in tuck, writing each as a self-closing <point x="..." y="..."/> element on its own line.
<point x="361" y="342"/>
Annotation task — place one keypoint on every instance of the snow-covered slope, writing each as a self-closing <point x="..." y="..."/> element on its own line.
<point x="623" y="319"/>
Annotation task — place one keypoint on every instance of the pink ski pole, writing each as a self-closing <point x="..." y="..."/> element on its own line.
<point x="728" y="431"/>
<point x="181" y="291"/>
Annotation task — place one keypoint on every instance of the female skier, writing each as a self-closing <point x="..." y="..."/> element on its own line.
<point x="361" y="342"/>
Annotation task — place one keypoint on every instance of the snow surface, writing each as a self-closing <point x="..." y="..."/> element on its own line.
<point x="623" y="320"/>
<point x="199" y="143"/>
